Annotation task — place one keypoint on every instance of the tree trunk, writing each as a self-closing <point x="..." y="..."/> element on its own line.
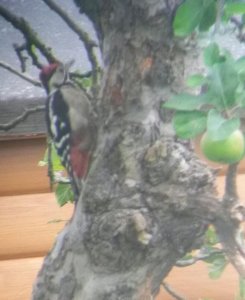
<point x="147" y="199"/>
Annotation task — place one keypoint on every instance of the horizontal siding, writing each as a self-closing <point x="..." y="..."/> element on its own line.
<point x="19" y="170"/>
<point x="34" y="123"/>
<point x="193" y="283"/>
<point x="20" y="173"/>
<point x="17" y="277"/>
<point x="29" y="224"/>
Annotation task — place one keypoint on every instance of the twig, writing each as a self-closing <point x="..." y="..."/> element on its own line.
<point x="50" y="164"/>
<point x="228" y="221"/>
<point x="21" y="75"/>
<point x="22" y="117"/>
<point x="172" y="292"/>
<point x="19" y="52"/>
<point x="239" y="26"/>
<point x="31" y="37"/>
<point x="227" y="232"/>
<point x="88" y="43"/>
<point x="80" y="76"/>
<point x="69" y="21"/>
<point x="230" y="197"/>
<point x="237" y="23"/>
<point x="193" y="260"/>
<point x="220" y="7"/>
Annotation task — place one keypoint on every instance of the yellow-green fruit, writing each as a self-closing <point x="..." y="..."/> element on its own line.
<point x="227" y="151"/>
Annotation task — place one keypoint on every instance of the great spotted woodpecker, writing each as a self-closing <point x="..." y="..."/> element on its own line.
<point x="70" y="122"/>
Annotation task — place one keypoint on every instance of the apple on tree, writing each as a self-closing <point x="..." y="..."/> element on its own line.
<point x="228" y="151"/>
<point x="216" y="109"/>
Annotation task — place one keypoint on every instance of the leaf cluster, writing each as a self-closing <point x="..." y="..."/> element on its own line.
<point x="212" y="254"/>
<point x="218" y="107"/>
<point x="202" y="14"/>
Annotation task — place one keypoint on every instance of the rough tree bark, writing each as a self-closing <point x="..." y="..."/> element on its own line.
<point x="147" y="199"/>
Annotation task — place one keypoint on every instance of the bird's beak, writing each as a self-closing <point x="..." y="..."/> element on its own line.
<point x="69" y="64"/>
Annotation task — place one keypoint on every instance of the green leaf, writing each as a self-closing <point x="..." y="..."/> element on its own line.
<point x="196" y="80"/>
<point x="194" y="13"/>
<point x="217" y="267"/>
<point x="211" y="55"/>
<point x="184" y="102"/>
<point x="209" y="15"/>
<point x="241" y="77"/>
<point x="223" y="82"/>
<point x="241" y="101"/>
<point x="213" y="255"/>
<point x="241" y="288"/>
<point x="235" y="8"/>
<point x="240" y="68"/>
<point x="64" y="193"/>
<point x="189" y="124"/>
<point x="211" y="236"/>
<point x="219" y="128"/>
<point x="87" y="82"/>
<point x="84" y="80"/>
<point x="240" y="64"/>
<point x="187" y="257"/>
<point x="188" y="17"/>
<point x="33" y="48"/>
<point x="55" y="160"/>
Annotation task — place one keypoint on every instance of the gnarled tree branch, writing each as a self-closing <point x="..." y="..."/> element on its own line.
<point x="31" y="37"/>
<point x="200" y="257"/>
<point x="230" y="196"/>
<point x="227" y="230"/>
<point x="89" y="44"/>
<point x="21" y="75"/>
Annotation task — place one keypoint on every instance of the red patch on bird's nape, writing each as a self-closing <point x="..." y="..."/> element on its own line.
<point x="47" y="71"/>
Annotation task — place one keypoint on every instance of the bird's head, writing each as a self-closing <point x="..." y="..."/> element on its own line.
<point x="54" y="75"/>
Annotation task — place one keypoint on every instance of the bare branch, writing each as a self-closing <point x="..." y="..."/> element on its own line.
<point x="230" y="197"/>
<point x="88" y="43"/>
<point x="50" y="164"/>
<point x="21" y="75"/>
<point x="22" y="117"/>
<point x="170" y="290"/>
<point x="69" y="21"/>
<point x="227" y="231"/>
<point x="227" y="227"/>
<point x="193" y="260"/>
<point x="220" y="8"/>
<point x="228" y="222"/>
<point x="22" y="58"/>
<point x="239" y="26"/>
<point x="31" y="37"/>
<point x="80" y="76"/>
